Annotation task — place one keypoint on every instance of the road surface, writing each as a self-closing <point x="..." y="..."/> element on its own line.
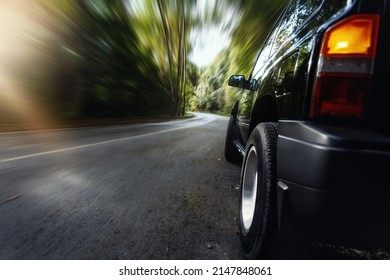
<point x="145" y="191"/>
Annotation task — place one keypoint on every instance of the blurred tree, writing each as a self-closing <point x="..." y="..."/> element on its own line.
<point x="256" y="20"/>
<point x="174" y="25"/>
<point x="210" y="92"/>
<point x="97" y="58"/>
<point x="104" y="58"/>
<point x="114" y="72"/>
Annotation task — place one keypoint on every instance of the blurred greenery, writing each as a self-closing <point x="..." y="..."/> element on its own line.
<point x="256" y="20"/>
<point x="74" y="59"/>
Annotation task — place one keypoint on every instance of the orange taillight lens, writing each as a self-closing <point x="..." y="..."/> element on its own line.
<point x="355" y="36"/>
<point x="344" y="74"/>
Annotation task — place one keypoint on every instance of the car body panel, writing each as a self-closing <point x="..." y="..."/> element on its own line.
<point x="328" y="170"/>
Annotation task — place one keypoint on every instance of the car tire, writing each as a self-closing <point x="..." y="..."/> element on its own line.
<point x="231" y="153"/>
<point x="258" y="212"/>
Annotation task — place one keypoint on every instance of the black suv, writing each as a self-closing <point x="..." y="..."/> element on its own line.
<point x="312" y="127"/>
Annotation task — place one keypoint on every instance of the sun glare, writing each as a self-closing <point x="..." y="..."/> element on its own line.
<point x="20" y="51"/>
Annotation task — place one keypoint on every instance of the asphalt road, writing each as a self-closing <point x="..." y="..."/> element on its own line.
<point x="145" y="191"/>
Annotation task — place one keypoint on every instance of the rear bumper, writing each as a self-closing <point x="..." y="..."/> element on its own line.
<point x="334" y="183"/>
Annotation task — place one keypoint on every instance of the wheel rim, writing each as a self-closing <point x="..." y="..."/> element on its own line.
<point x="249" y="189"/>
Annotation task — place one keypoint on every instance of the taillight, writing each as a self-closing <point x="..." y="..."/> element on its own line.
<point x="343" y="81"/>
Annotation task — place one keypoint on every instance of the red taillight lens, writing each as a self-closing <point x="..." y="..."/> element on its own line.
<point x="344" y="72"/>
<point x="342" y="96"/>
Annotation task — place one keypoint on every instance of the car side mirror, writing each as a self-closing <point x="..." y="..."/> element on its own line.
<point x="237" y="81"/>
<point x="240" y="82"/>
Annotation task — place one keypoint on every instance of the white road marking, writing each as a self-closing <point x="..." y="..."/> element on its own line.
<point x="102" y="143"/>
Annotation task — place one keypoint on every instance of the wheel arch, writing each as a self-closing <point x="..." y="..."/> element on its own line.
<point x="264" y="110"/>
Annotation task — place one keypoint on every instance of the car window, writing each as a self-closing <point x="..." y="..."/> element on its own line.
<point x="264" y="55"/>
<point x="296" y="13"/>
<point x="284" y="77"/>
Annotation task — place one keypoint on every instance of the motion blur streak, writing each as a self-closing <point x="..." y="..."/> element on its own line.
<point x="20" y="47"/>
<point x="67" y="60"/>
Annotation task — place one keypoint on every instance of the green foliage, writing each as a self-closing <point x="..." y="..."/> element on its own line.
<point x="256" y="20"/>
<point x="104" y="58"/>
<point x="119" y="77"/>
<point x="209" y="93"/>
